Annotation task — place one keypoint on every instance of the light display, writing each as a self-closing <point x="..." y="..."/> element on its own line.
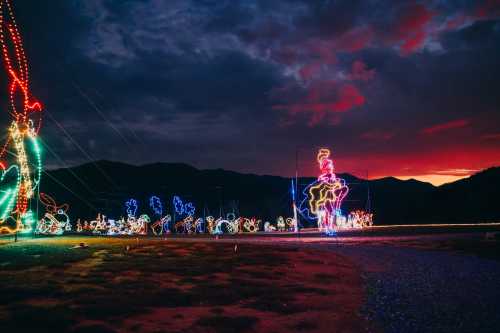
<point x="102" y="225"/>
<point x="251" y="225"/>
<point x="156" y="206"/>
<point x="199" y="226"/>
<point x="178" y="205"/>
<point x="99" y="225"/>
<point x="187" y="225"/>
<point x="166" y="220"/>
<point x="280" y="223"/>
<point x="290" y="224"/>
<point x="210" y="224"/>
<point x="359" y="219"/>
<point x="131" y="207"/>
<point x="79" y="226"/>
<point x="143" y="222"/>
<point x="185" y="212"/>
<point x="189" y="209"/>
<point x="268" y="227"/>
<point x="325" y="195"/>
<point x="133" y="225"/>
<point x="116" y="227"/>
<point x="137" y="226"/>
<point x="231" y="217"/>
<point x="230" y="226"/>
<point x="56" y="220"/>
<point x="183" y="209"/>
<point x="20" y="155"/>
<point x="161" y="226"/>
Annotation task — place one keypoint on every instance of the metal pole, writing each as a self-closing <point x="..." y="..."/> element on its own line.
<point x="296" y="192"/>
<point x="292" y="189"/>
<point x="296" y="169"/>
<point x="173" y="213"/>
<point x="368" y="201"/>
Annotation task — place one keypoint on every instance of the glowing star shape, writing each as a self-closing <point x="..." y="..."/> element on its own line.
<point x="20" y="159"/>
<point x="325" y="195"/>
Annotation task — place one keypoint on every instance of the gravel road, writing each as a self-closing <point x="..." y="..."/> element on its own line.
<point x="413" y="290"/>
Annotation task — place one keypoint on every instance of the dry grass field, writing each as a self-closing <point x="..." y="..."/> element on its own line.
<point x="158" y="285"/>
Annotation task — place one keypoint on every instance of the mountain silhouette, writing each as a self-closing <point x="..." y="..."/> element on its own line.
<point x="104" y="186"/>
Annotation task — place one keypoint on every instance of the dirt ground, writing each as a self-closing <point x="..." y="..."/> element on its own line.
<point x="157" y="285"/>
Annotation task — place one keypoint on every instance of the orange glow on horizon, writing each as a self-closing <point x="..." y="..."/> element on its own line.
<point x="434" y="179"/>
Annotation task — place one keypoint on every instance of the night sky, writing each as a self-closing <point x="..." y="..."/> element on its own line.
<point x="408" y="89"/>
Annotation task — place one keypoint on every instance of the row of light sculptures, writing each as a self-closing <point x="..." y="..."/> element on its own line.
<point x="187" y="223"/>
<point x="56" y="221"/>
<point x="323" y="199"/>
<point x="232" y="225"/>
<point x="20" y="155"/>
<point x="139" y="225"/>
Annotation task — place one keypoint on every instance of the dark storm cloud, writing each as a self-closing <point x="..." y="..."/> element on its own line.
<point x="241" y="84"/>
